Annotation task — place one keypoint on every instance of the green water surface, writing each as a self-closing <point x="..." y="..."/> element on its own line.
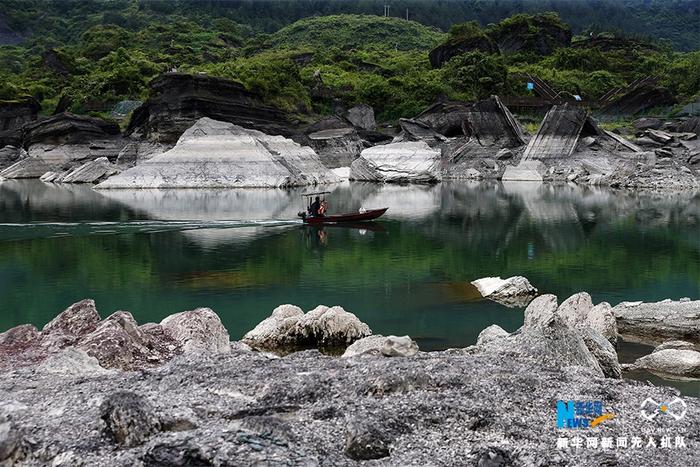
<point x="243" y="252"/>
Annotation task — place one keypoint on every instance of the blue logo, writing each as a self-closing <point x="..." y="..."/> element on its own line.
<point x="581" y="414"/>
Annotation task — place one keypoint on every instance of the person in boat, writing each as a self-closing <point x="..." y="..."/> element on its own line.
<point x="318" y="208"/>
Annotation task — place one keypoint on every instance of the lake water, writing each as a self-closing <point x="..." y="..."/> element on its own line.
<point x="243" y="252"/>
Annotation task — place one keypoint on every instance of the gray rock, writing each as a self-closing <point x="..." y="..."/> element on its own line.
<point x="30" y="167"/>
<point x="72" y="362"/>
<point x="646" y="123"/>
<point x="11" y="443"/>
<point x="671" y="363"/>
<point x="369" y="344"/>
<point x="10" y="155"/>
<point x="602" y="319"/>
<point x="129" y="418"/>
<point x="575" y="309"/>
<point x="366" y="438"/>
<point x="118" y="342"/>
<point x="401" y="162"/>
<point x="513" y="291"/>
<point x="295" y="410"/>
<point x="658" y="322"/>
<point x="362" y="116"/>
<point x="504" y="154"/>
<point x="676" y="345"/>
<point x="603" y="351"/>
<point x="399" y="346"/>
<point x="552" y="341"/>
<point x="75" y="322"/>
<point x="490" y="333"/>
<point x="22" y="335"/>
<point x="90" y="172"/>
<point x="198" y="330"/>
<point x="213" y="154"/>
<point x="288" y="326"/>
<point x="540" y="311"/>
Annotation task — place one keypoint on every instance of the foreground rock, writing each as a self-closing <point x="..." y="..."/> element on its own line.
<point x="213" y="154"/>
<point x="654" y="323"/>
<point x="77" y="337"/>
<point x="513" y="291"/>
<point x="242" y="408"/>
<point x="289" y="328"/>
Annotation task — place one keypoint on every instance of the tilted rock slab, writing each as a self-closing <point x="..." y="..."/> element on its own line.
<point x="289" y="327"/>
<point x="213" y="154"/>
<point x="659" y="321"/>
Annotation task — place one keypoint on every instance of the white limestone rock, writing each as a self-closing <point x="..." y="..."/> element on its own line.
<point x="401" y="162"/>
<point x="540" y="311"/>
<point x="513" y="291"/>
<point x="213" y="154"/>
<point x="369" y="344"/>
<point x="288" y="326"/>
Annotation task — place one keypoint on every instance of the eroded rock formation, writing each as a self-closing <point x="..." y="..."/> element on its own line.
<point x="214" y="154"/>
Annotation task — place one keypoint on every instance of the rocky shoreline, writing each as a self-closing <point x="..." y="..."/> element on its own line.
<point x="197" y="131"/>
<point x="90" y="391"/>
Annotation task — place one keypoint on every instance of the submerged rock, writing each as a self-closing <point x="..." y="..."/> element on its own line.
<point x="214" y="154"/>
<point x="289" y="327"/>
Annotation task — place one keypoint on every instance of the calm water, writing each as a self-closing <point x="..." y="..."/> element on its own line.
<point x="243" y="252"/>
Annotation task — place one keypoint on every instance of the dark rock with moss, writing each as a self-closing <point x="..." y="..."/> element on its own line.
<point x="177" y="100"/>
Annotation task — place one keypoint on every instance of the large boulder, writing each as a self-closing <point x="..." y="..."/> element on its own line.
<point x="491" y="333"/>
<point x="336" y="147"/>
<point x="66" y="138"/>
<point x="289" y="327"/>
<point x="119" y="342"/>
<point x="198" y="331"/>
<point x="657" y="322"/>
<point x="578" y="311"/>
<point x="177" y="100"/>
<point x="513" y="291"/>
<point x="214" y="154"/>
<point x="13" y="115"/>
<point x="74" y="323"/>
<point x="402" y="162"/>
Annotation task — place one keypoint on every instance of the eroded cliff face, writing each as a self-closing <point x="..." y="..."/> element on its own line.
<point x="178" y="100"/>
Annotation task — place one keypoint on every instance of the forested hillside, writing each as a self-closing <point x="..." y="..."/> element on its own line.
<point x="94" y="53"/>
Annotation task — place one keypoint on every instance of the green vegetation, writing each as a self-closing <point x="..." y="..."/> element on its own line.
<point x="96" y="53"/>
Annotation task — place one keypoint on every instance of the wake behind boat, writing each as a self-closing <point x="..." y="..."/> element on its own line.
<point x="316" y="212"/>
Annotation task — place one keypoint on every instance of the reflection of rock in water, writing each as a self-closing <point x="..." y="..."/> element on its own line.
<point x="405" y="202"/>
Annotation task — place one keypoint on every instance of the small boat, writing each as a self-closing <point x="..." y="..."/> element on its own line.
<point x="347" y="217"/>
<point x="359" y="216"/>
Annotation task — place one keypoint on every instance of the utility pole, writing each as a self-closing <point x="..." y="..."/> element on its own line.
<point x="406" y="14"/>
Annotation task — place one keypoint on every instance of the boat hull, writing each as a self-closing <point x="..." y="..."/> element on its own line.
<point x="349" y="217"/>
